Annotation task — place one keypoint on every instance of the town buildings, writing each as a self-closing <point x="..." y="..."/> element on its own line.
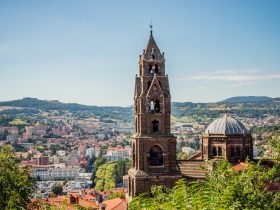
<point x="118" y="153"/>
<point x="54" y="172"/>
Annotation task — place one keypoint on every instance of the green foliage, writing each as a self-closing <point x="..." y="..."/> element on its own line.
<point x="98" y="162"/>
<point x="203" y="112"/>
<point x="110" y="173"/>
<point x="274" y="144"/>
<point x="223" y="188"/>
<point x="16" y="185"/>
<point x="116" y="195"/>
<point x="33" y="106"/>
<point x="106" y="176"/>
<point x="182" y="156"/>
<point x="57" y="188"/>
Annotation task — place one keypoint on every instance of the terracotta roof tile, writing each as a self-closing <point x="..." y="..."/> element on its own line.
<point x="116" y="204"/>
<point x="240" y="166"/>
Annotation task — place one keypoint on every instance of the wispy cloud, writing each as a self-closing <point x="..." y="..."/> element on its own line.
<point x="198" y="88"/>
<point x="239" y="84"/>
<point x="235" y="76"/>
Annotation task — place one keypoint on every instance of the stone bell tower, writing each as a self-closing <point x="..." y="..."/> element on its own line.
<point x="154" y="147"/>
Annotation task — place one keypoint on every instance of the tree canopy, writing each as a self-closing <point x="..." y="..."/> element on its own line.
<point x="16" y="185"/>
<point x="223" y="188"/>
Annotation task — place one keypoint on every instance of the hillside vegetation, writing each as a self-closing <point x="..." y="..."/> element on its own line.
<point x="247" y="99"/>
<point x="29" y="108"/>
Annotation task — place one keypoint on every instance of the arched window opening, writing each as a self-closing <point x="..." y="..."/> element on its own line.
<point x="149" y="84"/>
<point x="159" y="83"/>
<point x="220" y="151"/>
<point x="156" y="157"/>
<point x="151" y="68"/>
<point x="232" y="152"/>
<point x="157" y="106"/>
<point x="237" y="151"/>
<point x="155" y="127"/>
<point x="153" y="56"/>
<point x="152" y="107"/>
<point x="214" y="151"/>
<point x="156" y="69"/>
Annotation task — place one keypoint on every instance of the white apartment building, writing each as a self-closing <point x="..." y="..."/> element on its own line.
<point x="93" y="152"/>
<point x="50" y="172"/>
<point x="118" y="153"/>
<point x="90" y="152"/>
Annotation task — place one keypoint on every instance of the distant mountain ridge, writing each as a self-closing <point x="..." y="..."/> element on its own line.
<point x="49" y="104"/>
<point x="29" y="102"/>
<point x="34" y="105"/>
<point x="242" y="99"/>
<point x="251" y="106"/>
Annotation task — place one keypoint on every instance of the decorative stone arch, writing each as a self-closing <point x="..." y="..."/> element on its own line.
<point x="156" y="157"/>
<point x="156" y="104"/>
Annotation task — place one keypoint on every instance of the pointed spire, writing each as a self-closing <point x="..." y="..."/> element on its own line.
<point x="152" y="51"/>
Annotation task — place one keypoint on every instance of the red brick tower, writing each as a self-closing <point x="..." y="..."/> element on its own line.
<point x="154" y="147"/>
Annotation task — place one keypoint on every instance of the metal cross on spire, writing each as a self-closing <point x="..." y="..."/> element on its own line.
<point x="151" y="27"/>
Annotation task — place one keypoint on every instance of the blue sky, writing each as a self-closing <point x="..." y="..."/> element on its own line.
<point x="87" y="51"/>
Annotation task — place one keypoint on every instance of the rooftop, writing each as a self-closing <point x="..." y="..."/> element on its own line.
<point x="226" y="125"/>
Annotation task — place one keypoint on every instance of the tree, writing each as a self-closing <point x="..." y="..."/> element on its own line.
<point x="106" y="176"/>
<point x="115" y="195"/>
<point x="16" y="185"/>
<point x="57" y="189"/>
<point x="98" y="162"/>
<point x="223" y="188"/>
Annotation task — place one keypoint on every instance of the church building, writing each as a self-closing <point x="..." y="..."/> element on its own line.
<point x="153" y="145"/>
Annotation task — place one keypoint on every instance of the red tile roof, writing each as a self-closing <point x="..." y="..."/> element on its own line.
<point x="116" y="204"/>
<point x="240" y="166"/>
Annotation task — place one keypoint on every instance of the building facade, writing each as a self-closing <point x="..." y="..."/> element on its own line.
<point x="118" y="153"/>
<point x="153" y="146"/>
<point x="49" y="172"/>
<point x="227" y="138"/>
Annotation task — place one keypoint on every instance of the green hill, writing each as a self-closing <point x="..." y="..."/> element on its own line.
<point x="239" y="99"/>
<point x="181" y="111"/>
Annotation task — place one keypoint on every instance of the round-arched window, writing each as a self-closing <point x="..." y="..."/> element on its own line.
<point x="156" y="157"/>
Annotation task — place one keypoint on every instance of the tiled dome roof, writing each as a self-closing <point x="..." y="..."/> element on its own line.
<point x="226" y="125"/>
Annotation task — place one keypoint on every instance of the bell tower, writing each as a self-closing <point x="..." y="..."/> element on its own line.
<point x="153" y="146"/>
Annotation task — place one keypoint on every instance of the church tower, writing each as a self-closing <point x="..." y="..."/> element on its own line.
<point x="154" y="147"/>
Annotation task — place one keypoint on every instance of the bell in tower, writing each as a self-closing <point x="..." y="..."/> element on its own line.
<point x="154" y="147"/>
